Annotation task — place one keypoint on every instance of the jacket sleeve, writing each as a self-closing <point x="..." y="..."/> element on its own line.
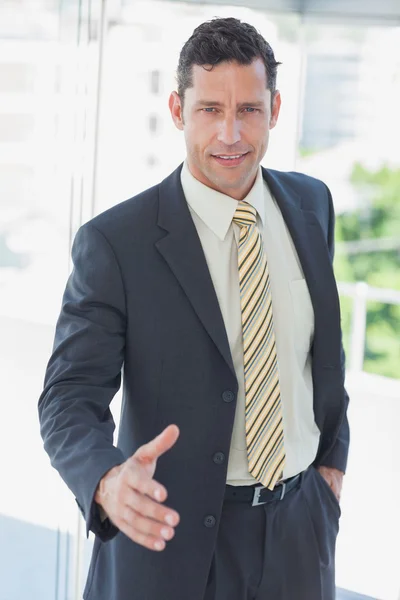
<point x="337" y="457"/>
<point x="84" y="373"/>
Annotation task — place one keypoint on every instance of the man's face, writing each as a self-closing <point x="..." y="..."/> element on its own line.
<point x="227" y="113"/>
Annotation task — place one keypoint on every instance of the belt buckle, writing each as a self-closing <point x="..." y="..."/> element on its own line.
<point x="256" y="496"/>
<point x="283" y="484"/>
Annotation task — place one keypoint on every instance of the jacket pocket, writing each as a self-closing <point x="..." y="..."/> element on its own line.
<point x="323" y="516"/>
<point x="328" y="490"/>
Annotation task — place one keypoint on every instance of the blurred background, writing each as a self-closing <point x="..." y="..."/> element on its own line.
<point x="84" y="124"/>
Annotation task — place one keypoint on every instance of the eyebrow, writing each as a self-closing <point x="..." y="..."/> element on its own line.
<point x="258" y="103"/>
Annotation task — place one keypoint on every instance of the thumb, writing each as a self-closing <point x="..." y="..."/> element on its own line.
<point x="159" y="445"/>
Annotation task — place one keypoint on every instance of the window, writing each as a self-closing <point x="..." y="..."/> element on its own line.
<point x="153" y="123"/>
<point x="155" y="82"/>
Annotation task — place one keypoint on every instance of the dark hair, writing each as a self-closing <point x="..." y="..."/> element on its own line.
<point x="221" y="40"/>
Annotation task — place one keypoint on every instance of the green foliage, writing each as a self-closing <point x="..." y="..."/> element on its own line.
<point x="378" y="218"/>
<point x="306" y="152"/>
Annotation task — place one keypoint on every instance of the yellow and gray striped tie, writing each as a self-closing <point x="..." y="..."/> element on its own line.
<point x="264" y="427"/>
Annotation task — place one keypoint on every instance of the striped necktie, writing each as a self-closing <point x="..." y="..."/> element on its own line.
<point x="264" y="426"/>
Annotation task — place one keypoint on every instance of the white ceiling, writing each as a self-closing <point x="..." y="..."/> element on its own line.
<point x="371" y="11"/>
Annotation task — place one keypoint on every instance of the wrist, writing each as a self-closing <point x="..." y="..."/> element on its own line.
<point x="101" y="490"/>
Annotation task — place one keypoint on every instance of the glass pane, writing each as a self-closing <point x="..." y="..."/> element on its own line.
<point x="349" y="138"/>
<point x="47" y="76"/>
<point x="144" y="39"/>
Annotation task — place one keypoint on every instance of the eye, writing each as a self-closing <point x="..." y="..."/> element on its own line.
<point x="208" y="109"/>
<point x="251" y="109"/>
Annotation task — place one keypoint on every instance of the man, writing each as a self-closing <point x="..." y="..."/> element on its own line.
<point x="215" y="292"/>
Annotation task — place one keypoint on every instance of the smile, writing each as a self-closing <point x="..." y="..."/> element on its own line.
<point x="230" y="160"/>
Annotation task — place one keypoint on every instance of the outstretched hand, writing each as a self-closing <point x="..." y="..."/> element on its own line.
<point x="132" y="499"/>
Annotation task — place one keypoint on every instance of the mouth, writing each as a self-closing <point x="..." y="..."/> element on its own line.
<point x="230" y="160"/>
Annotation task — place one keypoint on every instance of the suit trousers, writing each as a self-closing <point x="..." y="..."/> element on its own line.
<point x="283" y="550"/>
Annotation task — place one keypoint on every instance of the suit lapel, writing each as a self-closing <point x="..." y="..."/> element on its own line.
<point x="182" y="250"/>
<point x="308" y="238"/>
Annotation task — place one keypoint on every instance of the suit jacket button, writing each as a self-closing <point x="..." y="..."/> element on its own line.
<point x="209" y="521"/>
<point x="219" y="458"/>
<point x="228" y="396"/>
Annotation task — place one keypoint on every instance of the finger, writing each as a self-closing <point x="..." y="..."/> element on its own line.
<point x="136" y="494"/>
<point x="147" y="507"/>
<point x="126" y="521"/>
<point x="152" y="528"/>
<point x="146" y="485"/>
<point x="153" y="489"/>
<point x="335" y="489"/>
<point x="150" y="542"/>
<point x="158" y="446"/>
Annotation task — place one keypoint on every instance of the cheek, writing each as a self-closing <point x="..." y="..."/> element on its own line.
<point x="199" y="134"/>
<point x="262" y="133"/>
<point x="255" y="129"/>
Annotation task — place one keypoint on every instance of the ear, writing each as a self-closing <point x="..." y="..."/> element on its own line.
<point x="176" y="109"/>
<point x="276" y="107"/>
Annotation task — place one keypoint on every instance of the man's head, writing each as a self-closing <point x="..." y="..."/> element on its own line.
<point x="226" y="103"/>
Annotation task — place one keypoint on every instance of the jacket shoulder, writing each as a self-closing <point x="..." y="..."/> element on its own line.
<point x="300" y="182"/>
<point x="314" y="193"/>
<point x="129" y="216"/>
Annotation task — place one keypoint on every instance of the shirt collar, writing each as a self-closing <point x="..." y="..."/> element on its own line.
<point x="215" y="209"/>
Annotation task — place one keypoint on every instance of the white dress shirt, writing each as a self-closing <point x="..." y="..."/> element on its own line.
<point x="293" y="315"/>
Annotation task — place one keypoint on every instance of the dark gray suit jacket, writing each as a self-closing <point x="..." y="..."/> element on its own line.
<point x="140" y="298"/>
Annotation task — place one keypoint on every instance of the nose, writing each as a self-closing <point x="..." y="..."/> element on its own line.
<point x="229" y="131"/>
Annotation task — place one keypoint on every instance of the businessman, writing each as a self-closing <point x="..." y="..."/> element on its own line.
<point x="213" y="292"/>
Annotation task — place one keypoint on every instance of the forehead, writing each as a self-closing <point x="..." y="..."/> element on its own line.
<point x="228" y="77"/>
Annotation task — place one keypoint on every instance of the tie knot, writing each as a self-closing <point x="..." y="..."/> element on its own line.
<point x="245" y="215"/>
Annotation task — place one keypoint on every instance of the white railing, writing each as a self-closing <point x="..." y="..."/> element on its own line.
<point x="361" y="292"/>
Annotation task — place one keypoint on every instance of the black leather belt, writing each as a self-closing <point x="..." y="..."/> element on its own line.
<point x="258" y="494"/>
